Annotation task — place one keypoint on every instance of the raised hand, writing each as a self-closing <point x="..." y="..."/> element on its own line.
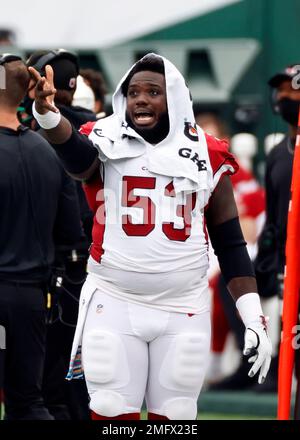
<point x="44" y="90"/>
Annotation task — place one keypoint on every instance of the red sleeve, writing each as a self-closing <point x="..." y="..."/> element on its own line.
<point x="91" y="189"/>
<point x="221" y="160"/>
<point x="87" y="128"/>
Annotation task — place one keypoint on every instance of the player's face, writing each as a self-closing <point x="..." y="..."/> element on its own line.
<point x="146" y="99"/>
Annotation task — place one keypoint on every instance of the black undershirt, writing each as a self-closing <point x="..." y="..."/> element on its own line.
<point x="278" y="183"/>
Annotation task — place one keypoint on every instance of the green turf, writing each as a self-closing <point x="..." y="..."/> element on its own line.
<point x="245" y="404"/>
<point x="211" y="416"/>
<point x="216" y="416"/>
<point x="242" y="406"/>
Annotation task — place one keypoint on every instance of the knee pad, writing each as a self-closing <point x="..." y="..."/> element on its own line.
<point x="190" y="360"/>
<point x="100" y="356"/>
<point x="107" y="403"/>
<point x="181" y="408"/>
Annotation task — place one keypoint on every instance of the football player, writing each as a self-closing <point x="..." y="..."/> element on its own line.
<point x="144" y="321"/>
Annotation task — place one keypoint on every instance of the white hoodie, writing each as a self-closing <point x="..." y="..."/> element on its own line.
<point x="150" y="228"/>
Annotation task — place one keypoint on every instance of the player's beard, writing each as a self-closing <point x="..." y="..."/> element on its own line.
<point x="157" y="133"/>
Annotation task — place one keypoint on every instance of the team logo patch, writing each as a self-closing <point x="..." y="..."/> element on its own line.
<point x="99" y="308"/>
<point x="98" y="132"/>
<point x="72" y="83"/>
<point x="188" y="153"/>
<point x="190" y="131"/>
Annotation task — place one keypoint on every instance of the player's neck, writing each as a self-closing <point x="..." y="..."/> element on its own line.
<point x="9" y="119"/>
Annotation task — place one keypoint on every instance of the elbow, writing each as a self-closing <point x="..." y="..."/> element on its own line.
<point x="87" y="174"/>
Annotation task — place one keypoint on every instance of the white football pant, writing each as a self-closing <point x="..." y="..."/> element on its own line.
<point x="131" y="352"/>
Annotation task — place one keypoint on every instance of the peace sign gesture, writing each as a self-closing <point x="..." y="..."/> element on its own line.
<point x="44" y="90"/>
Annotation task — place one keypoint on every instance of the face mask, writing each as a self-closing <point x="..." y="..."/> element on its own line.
<point x="289" y="110"/>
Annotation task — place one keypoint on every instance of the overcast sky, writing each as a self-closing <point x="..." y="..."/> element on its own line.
<point x="95" y="23"/>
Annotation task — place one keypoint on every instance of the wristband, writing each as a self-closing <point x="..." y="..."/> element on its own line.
<point x="249" y="308"/>
<point x="48" y="120"/>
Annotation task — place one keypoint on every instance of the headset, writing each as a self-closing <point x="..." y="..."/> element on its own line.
<point x="8" y="57"/>
<point x="51" y="55"/>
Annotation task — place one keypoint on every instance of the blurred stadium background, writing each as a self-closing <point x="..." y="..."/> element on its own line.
<point x="226" y="49"/>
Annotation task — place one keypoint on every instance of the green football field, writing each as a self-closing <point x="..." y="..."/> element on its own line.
<point x="212" y="416"/>
<point x="239" y="405"/>
<point x="215" y="416"/>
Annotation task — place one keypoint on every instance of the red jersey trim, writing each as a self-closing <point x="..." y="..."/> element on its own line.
<point x="221" y="160"/>
<point x="94" y="193"/>
<point x="87" y="128"/>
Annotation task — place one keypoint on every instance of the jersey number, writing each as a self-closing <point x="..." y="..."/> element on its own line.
<point x="129" y="200"/>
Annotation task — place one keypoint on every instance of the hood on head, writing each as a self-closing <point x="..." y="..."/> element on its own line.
<point x="179" y="102"/>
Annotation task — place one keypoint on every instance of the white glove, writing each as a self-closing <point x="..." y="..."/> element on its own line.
<point x="257" y="342"/>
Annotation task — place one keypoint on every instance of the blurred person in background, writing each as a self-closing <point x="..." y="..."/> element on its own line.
<point x="36" y="205"/>
<point x="7" y="37"/>
<point x="270" y="261"/>
<point x="64" y="399"/>
<point x="94" y="79"/>
<point x="84" y="96"/>
<point x="65" y="65"/>
<point x="249" y="197"/>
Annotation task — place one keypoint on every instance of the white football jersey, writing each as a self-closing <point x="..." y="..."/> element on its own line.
<point x="149" y="238"/>
<point x="150" y="245"/>
<point x="147" y="227"/>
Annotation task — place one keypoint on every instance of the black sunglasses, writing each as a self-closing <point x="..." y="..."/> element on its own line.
<point x="8" y="57"/>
